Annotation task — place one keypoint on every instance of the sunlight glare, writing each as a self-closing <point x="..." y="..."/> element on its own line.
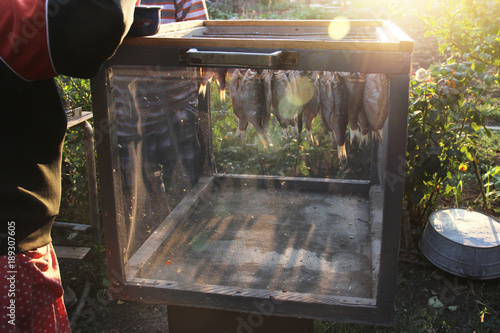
<point x="339" y="27"/>
<point x="304" y="92"/>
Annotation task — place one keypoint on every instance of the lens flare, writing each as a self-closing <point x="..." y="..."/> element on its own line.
<point x="299" y="91"/>
<point x="287" y="107"/>
<point x="305" y="91"/>
<point x="339" y="27"/>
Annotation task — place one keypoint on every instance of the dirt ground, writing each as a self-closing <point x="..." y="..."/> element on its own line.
<point x="467" y="306"/>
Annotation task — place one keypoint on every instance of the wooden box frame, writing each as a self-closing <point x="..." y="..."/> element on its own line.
<point x="388" y="51"/>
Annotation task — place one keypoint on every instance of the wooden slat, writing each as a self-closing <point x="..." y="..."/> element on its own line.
<point x="288" y="23"/>
<point x="191" y="35"/>
<point x="86" y="115"/>
<point x="72" y="226"/>
<point x="270" y="44"/>
<point x="71" y="252"/>
<point x="297" y="183"/>
<point x="252" y="292"/>
<point x="397" y="34"/>
<point x="179" y="26"/>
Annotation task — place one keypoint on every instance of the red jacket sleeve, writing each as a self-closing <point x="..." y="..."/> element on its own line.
<point x="23" y="39"/>
<point x="42" y="38"/>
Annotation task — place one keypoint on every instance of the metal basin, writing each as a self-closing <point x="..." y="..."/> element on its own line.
<point x="464" y="243"/>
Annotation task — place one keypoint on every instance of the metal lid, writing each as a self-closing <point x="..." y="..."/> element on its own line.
<point x="467" y="227"/>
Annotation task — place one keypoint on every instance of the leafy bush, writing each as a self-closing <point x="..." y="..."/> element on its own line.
<point x="470" y="31"/>
<point x="447" y="105"/>
<point x="443" y="127"/>
<point x="74" y="202"/>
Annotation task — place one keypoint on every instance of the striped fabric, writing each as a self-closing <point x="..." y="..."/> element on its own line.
<point x="180" y="10"/>
<point x="142" y="99"/>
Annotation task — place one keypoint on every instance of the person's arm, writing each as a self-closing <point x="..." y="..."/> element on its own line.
<point x="40" y="39"/>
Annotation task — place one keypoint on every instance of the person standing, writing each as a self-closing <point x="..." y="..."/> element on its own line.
<point x="40" y="39"/>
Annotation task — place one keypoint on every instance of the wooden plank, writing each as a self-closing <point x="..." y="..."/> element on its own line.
<point x="153" y="73"/>
<point x="72" y="226"/>
<point x="180" y="35"/>
<point x="382" y="35"/>
<point x="299" y="183"/>
<point x="183" y="33"/>
<point x="249" y="293"/>
<point x="71" y="252"/>
<point x="288" y="23"/>
<point x="180" y="29"/>
<point x="376" y="209"/>
<point x="180" y="320"/>
<point x="406" y="43"/>
<point x="345" y="310"/>
<point x="73" y="121"/>
<point x="282" y="31"/>
<point x="179" y="26"/>
<point x="269" y="44"/>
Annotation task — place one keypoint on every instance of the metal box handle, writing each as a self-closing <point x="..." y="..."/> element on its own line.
<point x="275" y="59"/>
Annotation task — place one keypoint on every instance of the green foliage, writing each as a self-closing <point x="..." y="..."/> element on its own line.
<point x="444" y="121"/>
<point x="492" y="185"/>
<point x="448" y="103"/>
<point x="75" y="92"/>
<point x="220" y="11"/>
<point x="271" y="10"/>
<point x="311" y="13"/>
<point x="74" y="202"/>
<point x="470" y="32"/>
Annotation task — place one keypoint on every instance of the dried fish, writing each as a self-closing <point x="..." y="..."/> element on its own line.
<point x="248" y="95"/>
<point x="284" y="87"/>
<point x="326" y="101"/>
<point x="220" y="78"/>
<point x="363" y="126"/>
<point x="298" y="93"/>
<point x="355" y="83"/>
<point x="333" y="98"/>
<point x="376" y="102"/>
<point x="312" y="106"/>
<point x="339" y="114"/>
<point x="207" y="74"/>
<point x="267" y="76"/>
<point x="234" y="93"/>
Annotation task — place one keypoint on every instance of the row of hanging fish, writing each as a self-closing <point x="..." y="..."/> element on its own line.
<point x="355" y="99"/>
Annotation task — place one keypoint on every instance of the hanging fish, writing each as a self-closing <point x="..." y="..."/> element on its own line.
<point x="220" y="78"/>
<point x="363" y="126"/>
<point x="234" y="93"/>
<point x="282" y="108"/>
<point x="326" y="101"/>
<point x="267" y="76"/>
<point x="296" y="96"/>
<point x="248" y="95"/>
<point x="312" y="106"/>
<point x="355" y="84"/>
<point x="206" y="76"/>
<point x="376" y="102"/>
<point x="339" y="114"/>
